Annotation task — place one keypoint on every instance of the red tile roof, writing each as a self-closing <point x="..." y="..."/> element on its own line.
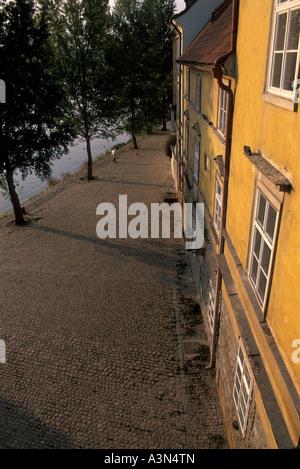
<point x="213" y="41"/>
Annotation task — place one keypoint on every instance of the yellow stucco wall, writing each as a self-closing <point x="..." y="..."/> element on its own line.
<point x="211" y="144"/>
<point x="275" y="132"/>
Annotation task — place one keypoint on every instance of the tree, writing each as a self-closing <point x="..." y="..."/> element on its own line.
<point x="80" y="36"/>
<point x="127" y="62"/>
<point x="144" y="77"/>
<point x="157" y="15"/>
<point x="32" y="131"/>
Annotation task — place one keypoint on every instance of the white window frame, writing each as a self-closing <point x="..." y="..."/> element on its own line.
<point x="242" y="388"/>
<point x="259" y="229"/>
<point x="198" y="92"/>
<point x="218" y="206"/>
<point x="222" y="111"/>
<point x="286" y="6"/>
<point x="211" y="304"/>
<point x="196" y="157"/>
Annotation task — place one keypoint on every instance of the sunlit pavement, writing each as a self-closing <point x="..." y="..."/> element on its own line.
<point x="93" y="343"/>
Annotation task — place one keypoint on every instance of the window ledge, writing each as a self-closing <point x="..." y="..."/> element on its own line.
<point x="279" y="101"/>
<point x="278" y="179"/>
<point x="219" y="134"/>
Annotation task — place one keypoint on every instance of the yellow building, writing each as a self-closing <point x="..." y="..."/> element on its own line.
<point x="240" y="138"/>
<point x="184" y="28"/>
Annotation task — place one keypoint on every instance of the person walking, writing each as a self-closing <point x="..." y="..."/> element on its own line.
<point x="114" y="155"/>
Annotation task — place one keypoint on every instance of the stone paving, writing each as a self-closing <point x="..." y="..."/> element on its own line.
<point x="94" y="328"/>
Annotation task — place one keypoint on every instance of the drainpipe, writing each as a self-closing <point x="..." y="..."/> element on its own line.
<point x="218" y="75"/>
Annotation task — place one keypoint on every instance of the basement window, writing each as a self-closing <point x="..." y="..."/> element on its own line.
<point x="242" y="390"/>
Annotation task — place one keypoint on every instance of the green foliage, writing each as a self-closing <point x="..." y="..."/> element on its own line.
<point x="4" y="191"/>
<point x="141" y="58"/>
<point x="80" y="34"/>
<point x="32" y="129"/>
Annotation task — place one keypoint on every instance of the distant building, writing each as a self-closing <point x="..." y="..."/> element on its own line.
<point x="238" y="138"/>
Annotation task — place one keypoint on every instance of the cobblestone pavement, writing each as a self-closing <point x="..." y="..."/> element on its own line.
<point x="93" y="328"/>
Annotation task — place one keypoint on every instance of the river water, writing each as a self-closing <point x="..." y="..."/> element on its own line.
<point x="70" y="163"/>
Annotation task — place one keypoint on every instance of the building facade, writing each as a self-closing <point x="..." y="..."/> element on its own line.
<point x="238" y="136"/>
<point x="185" y="26"/>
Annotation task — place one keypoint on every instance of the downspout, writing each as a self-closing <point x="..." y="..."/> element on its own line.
<point x="218" y="74"/>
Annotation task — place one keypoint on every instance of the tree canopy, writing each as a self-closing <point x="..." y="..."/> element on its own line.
<point x="75" y="69"/>
<point x="80" y="36"/>
<point x="142" y="58"/>
<point x="32" y="128"/>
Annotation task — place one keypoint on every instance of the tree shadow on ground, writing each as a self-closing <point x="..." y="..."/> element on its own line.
<point x="148" y="251"/>
<point x="20" y="429"/>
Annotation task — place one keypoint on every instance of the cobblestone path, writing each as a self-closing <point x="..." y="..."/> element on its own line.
<point x="93" y="328"/>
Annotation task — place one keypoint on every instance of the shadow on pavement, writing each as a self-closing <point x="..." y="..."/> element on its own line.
<point x="22" y="430"/>
<point x="153" y="252"/>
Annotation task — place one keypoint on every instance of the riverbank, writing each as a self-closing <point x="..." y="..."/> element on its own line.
<point x="7" y="214"/>
<point x="68" y="164"/>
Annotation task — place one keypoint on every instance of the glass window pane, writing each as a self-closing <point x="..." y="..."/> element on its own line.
<point x="254" y="270"/>
<point x="242" y="418"/>
<point x="225" y="99"/>
<point x="281" y="30"/>
<point x="266" y="256"/>
<point x="262" y="286"/>
<point x="290" y="70"/>
<point x="262" y="202"/>
<point x="236" y="396"/>
<point x="271" y="222"/>
<point x="238" y="375"/>
<point x="257" y="243"/>
<point x="247" y="377"/>
<point x="244" y="397"/>
<point x="294" y="31"/>
<point x="276" y="78"/>
<point x="241" y="356"/>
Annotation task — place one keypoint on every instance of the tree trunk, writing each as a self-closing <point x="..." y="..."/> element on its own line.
<point x="90" y="159"/>
<point x="19" y="219"/>
<point x="164" y="114"/>
<point x="135" y="145"/>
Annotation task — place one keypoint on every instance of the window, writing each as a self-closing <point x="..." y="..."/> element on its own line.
<point x="186" y="137"/>
<point x="198" y="93"/>
<point x="222" y="113"/>
<point x="218" y="207"/>
<point x="242" y="388"/>
<point x="262" y="246"/>
<point x="211" y="304"/>
<point x="196" y="158"/>
<point x="187" y="86"/>
<point x="206" y="163"/>
<point x="285" y="50"/>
